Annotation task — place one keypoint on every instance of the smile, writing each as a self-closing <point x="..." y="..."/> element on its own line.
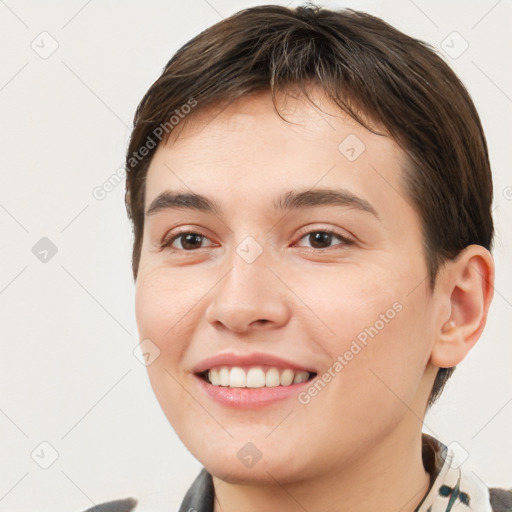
<point x="236" y="387"/>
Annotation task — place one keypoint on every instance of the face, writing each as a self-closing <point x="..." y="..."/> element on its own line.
<point x="332" y="284"/>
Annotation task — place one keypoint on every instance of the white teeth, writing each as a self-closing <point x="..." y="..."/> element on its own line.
<point x="286" y="377"/>
<point x="255" y="378"/>
<point x="272" y="378"/>
<point x="236" y="377"/>
<point x="213" y="376"/>
<point x="300" y="377"/>
<point x="223" y="377"/>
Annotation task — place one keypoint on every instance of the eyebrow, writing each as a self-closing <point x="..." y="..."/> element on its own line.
<point x="291" y="200"/>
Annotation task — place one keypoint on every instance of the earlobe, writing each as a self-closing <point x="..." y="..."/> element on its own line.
<point x="450" y="348"/>
<point x="468" y="285"/>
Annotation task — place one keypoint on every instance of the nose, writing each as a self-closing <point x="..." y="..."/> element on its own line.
<point x="250" y="296"/>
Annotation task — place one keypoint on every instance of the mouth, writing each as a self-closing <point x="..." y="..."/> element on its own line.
<point x="252" y="380"/>
<point x="252" y="388"/>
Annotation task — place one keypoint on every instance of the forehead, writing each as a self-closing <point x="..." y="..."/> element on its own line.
<point x="246" y="152"/>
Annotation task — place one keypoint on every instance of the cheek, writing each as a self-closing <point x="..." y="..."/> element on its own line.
<point x="372" y="334"/>
<point x="165" y="315"/>
<point x="164" y="307"/>
<point x="158" y="309"/>
<point x="346" y="306"/>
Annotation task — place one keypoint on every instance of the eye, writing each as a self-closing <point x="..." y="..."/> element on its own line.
<point x="189" y="240"/>
<point x="320" y="239"/>
<point x="323" y="237"/>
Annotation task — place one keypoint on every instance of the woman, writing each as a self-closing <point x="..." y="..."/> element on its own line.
<point x="310" y="193"/>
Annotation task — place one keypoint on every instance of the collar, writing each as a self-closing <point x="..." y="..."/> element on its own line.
<point x="452" y="489"/>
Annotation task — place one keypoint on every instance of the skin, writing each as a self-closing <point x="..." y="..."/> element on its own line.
<point x="356" y="446"/>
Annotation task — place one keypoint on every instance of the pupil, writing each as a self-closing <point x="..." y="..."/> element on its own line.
<point x="321" y="237"/>
<point x="190" y="239"/>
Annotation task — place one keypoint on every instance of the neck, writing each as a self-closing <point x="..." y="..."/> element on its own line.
<point x="390" y="478"/>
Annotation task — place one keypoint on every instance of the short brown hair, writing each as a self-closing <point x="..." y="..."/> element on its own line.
<point x="374" y="73"/>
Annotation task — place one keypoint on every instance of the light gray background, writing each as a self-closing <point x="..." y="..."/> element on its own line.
<point x="68" y="373"/>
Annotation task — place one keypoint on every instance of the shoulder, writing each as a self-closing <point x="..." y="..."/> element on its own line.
<point x="501" y="499"/>
<point x="123" y="505"/>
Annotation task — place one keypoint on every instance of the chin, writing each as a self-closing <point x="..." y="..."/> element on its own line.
<point x="240" y="463"/>
<point x="263" y="472"/>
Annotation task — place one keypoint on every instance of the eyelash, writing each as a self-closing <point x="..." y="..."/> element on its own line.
<point x="167" y="242"/>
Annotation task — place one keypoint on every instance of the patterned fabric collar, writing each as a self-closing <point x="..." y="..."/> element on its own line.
<point x="452" y="489"/>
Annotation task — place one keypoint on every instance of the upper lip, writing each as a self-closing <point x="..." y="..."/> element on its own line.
<point x="255" y="358"/>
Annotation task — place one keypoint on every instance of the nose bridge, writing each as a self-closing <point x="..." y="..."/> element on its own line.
<point x="249" y="293"/>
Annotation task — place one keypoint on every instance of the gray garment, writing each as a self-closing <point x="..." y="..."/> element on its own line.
<point x="201" y="494"/>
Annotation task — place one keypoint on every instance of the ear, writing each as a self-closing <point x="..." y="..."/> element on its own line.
<point x="466" y="288"/>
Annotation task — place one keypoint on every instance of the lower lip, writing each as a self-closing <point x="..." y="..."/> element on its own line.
<point x="251" y="398"/>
